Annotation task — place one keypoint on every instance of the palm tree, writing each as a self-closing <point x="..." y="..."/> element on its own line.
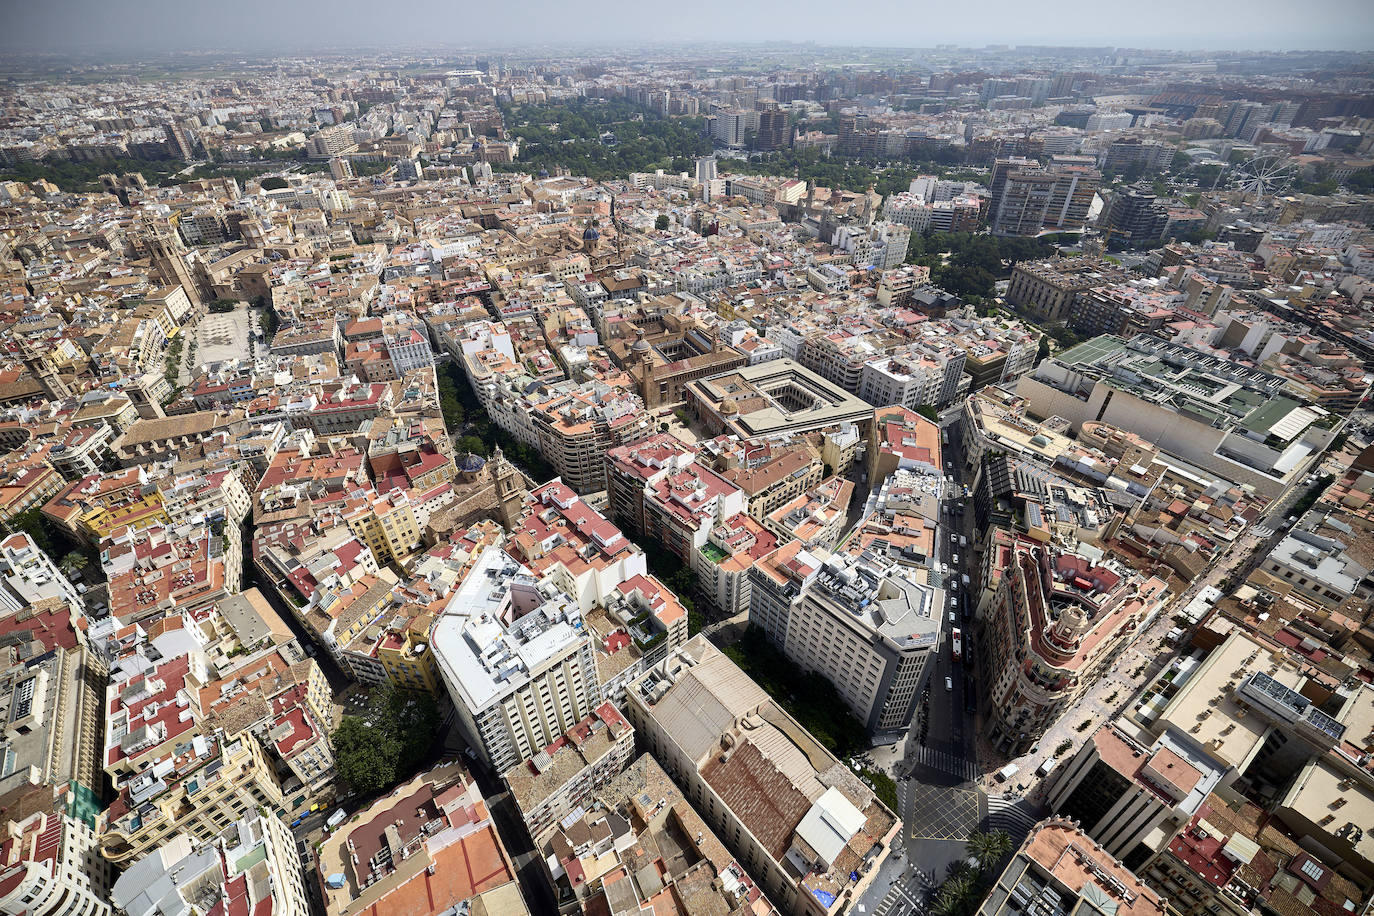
<point x="74" y="562"/>
<point x="988" y="849"/>
<point x="958" y="896"/>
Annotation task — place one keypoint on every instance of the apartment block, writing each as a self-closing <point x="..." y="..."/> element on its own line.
<point x="1132" y="798"/>
<point x="866" y="627"/>
<point x="1058" y="622"/>
<point x="563" y="777"/>
<point x="1045" y="290"/>
<point x="252" y="867"/>
<point x="29" y="576"/>
<point x="50" y="865"/>
<point x="567" y="543"/>
<point x="809" y="833"/>
<point x="1059" y="869"/>
<point x="426" y="848"/>
<point x="596" y="857"/>
<point x="516" y="659"/>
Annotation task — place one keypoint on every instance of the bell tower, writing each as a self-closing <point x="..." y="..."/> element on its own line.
<point x="510" y="490"/>
<point x="44" y="372"/>
<point x="170" y="264"/>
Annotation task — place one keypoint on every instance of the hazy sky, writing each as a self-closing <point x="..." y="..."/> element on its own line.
<point x="124" y="25"/>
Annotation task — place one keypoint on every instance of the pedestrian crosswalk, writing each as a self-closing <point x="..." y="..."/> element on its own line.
<point x="902" y="899"/>
<point x="946" y="763"/>
<point x="1014" y="815"/>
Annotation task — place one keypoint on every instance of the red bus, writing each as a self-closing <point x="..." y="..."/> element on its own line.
<point x="956" y="645"/>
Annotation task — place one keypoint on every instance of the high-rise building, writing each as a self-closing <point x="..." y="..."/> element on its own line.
<point x="773" y="131"/>
<point x="340" y="169"/>
<point x="1023" y="202"/>
<point x="1057" y="623"/>
<point x="516" y="658"/>
<point x="865" y="627"/>
<point x="735" y="127"/>
<point x="332" y="141"/>
<point x="1001" y="168"/>
<point x="181" y="144"/>
<point x="1027" y="197"/>
<point x="50" y="867"/>
<point x="1131" y="797"/>
<point x="1152" y="154"/>
<point x="1076" y="183"/>
<point x="1135" y="214"/>
<point x="1059" y="869"/>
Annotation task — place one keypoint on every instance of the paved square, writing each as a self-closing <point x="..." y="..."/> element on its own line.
<point x="224" y="336"/>
<point x="940" y="813"/>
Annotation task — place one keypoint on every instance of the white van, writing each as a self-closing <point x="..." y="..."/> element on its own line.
<point x="1007" y="772"/>
<point x="1044" y="768"/>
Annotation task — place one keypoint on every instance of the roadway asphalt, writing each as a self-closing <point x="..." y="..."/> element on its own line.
<point x="941" y="804"/>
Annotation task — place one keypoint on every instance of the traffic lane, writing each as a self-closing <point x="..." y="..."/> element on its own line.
<point x="946" y="712"/>
<point x="529" y="869"/>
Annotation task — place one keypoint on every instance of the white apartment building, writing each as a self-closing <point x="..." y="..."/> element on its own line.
<point x="516" y="659"/>
<point x="867" y="628"/>
<point x="57" y="869"/>
<point x="409" y="349"/>
<point x="913" y="377"/>
<point x="908" y="210"/>
<point x="28" y="575"/>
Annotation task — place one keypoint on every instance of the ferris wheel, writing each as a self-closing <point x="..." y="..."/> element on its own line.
<point x="1263" y="175"/>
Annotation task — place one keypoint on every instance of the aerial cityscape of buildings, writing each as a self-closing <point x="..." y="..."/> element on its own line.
<point x="710" y="480"/>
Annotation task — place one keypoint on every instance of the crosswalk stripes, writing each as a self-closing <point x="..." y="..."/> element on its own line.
<point x="1013" y="815"/>
<point x="900" y="900"/>
<point x="947" y="763"/>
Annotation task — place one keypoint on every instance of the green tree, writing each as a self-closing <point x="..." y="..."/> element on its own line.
<point x="387" y="742"/>
<point x="74" y="562"/>
<point x="988" y="849"/>
<point x="662" y="222"/>
<point x="472" y="444"/>
<point x="959" y="895"/>
<point x="929" y="412"/>
<point x="414" y="718"/>
<point x="365" y="756"/>
<point x="36" y="525"/>
<point x="273" y="183"/>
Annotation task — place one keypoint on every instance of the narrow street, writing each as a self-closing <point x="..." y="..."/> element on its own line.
<point x="338" y="679"/>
